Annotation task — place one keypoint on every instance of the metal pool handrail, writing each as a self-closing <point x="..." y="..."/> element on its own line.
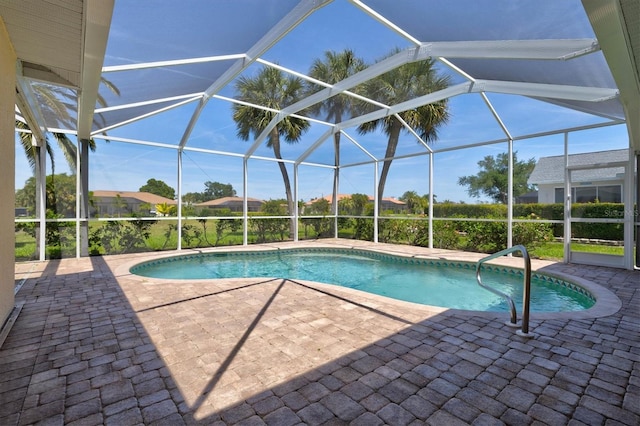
<point x="526" y="298"/>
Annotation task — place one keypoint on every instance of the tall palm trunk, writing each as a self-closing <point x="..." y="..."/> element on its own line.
<point x="394" y="136"/>
<point x="275" y="142"/>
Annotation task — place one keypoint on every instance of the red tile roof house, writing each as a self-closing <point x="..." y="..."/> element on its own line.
<point x="117" y="203"/>
<point x="388" y="203"/>
<point x="232" y="203"/>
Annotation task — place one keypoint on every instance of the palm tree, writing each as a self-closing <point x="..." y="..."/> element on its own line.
<point x="334" y="68"/>
<point x="67" y="147"/>
<point x="346" y="206"/>
<point x="271" y="89"/>
<point x="360" y="202"/>
<point x="413" y="200"/>
<point x="402" y="84"/>
<point x="163" y="209"/>
<point x="59" y="102"/>
<point x="55" y="101"/>
<point x="29" y="149"/>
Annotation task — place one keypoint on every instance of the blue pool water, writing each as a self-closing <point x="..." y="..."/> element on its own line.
<point x="437" y="283"/>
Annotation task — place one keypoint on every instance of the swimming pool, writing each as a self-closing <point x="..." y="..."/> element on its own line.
<point x="446" y="284"/>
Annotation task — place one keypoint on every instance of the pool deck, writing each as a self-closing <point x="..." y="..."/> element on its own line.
<point x="96" y="345"/>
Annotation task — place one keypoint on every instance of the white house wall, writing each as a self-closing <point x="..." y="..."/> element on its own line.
<point x="7" y="173"/>
<point x="546" y="194"/>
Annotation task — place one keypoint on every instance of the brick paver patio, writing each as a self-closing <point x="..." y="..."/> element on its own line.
<point x="96" y="345"/>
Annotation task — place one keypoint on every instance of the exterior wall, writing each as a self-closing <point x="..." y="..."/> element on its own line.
<point x="546" y="192"/>
<point x="394" y="207"/>
<point x="108" y="206"/>
<point x="7" y="173"/>
<point x="234" y="206"/>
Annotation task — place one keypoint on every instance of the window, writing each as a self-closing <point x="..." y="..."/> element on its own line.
<point x="559" y="197"/>
<point x="585" y="194"/>
<point x="610" y="194"/>
<point x="588" y="194"/>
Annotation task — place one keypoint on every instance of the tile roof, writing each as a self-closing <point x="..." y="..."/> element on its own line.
<point x="145" y="197"/>
<point x="227" y="200"/>
<point x="551" y="169"/>
<point x="329" y="198"/>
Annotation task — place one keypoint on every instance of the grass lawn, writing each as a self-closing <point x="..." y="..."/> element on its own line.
<point x="554" y="251"/>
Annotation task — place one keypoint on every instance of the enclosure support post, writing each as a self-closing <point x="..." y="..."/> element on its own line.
<point x="431" y="200"/>
<point x="79" y="197"/>
<point x="629" y="216"/>
<point x="245" y="217"/>
<point x="179" y="199"/>
<point x="41" y="198"/>
<point x="375" y="202"/>
<point x="336" y="191"/>
<point x="83" y="167"/>
<point x="567" y="202"/>
<point x="296" y="211"/>
<point x="510" y="196"/>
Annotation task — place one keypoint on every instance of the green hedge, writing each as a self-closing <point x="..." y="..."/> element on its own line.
<point x="490" y="237"/>
<point x="483" y="237"/>
<point x="450" y="210"/>
<point x="602" y="231"/>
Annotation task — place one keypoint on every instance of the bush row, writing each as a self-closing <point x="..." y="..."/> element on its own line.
<point x="122" y="237"/>
<point x="483" y="237"/>
<point x="603" y="231"/>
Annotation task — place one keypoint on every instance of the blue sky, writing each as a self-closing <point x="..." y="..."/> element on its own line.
<point x="123" y="166"/>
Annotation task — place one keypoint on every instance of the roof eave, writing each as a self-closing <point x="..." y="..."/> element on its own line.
<point x="617" y="39"/>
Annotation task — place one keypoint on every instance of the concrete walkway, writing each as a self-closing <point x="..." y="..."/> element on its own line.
<point x="96" y="345"/>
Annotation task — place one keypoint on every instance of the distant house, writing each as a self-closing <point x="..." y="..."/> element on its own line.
<point x="602" y="184"/>
<point x="117" y="203"/>
<point x="234" y="204"/>
<point x="329" y="199"/>
<point x="388" y="203"/>
<point x="393" y="204"/>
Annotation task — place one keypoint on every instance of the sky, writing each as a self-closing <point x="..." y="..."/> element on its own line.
<point x="126" y="167"/>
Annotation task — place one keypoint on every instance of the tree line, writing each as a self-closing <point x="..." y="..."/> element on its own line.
<point x="490" y="181"/>
<point x="212" y="191"/>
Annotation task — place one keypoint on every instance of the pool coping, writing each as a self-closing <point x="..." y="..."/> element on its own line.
<point x="606" y="302"/>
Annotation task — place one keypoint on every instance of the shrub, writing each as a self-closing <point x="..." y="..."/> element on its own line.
<point x="605" y="231"/>
<point x="531" y="234"/>
<point x="363" y="229"/>
<point x="485" y="237"/>
<point x="601" y="231"/>
<point x="322" y="227"/>
<point x="120" y="237"/>
<point x="59" y="236"/>
<point x="445" y="235"/>
<point x="270" y="229"/>
<point x="192" y="236"/>
<point x="449" y="210"/>
<point x="491" y="237"/>
<point x="224" y="225"/>
<point x="395" y="230"/>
